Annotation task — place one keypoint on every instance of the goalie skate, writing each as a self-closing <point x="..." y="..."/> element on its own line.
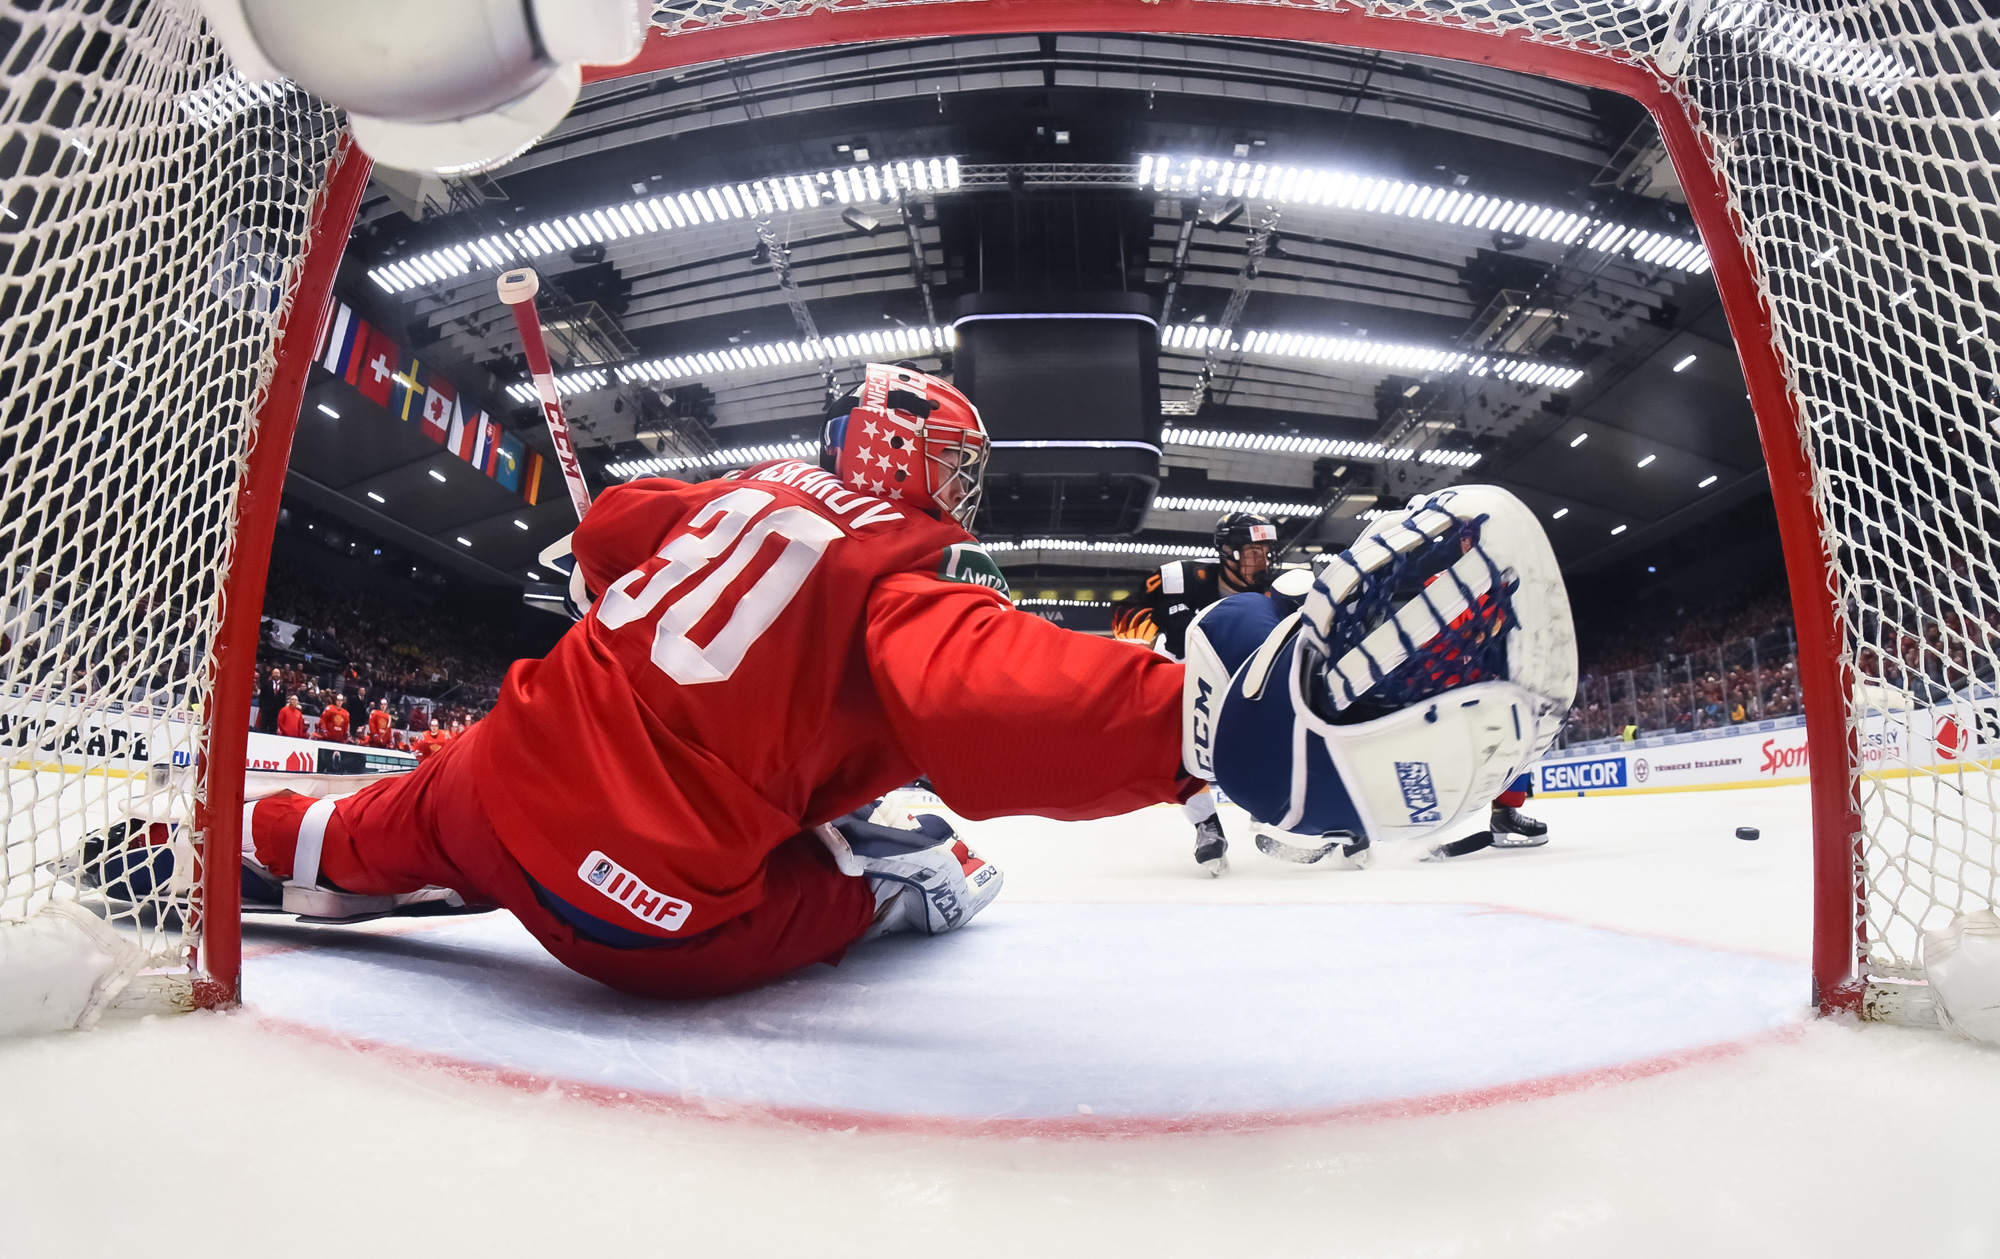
<point x="308" y="895"/>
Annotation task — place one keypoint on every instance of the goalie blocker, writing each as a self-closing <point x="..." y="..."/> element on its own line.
<point x="1429" y="665"/>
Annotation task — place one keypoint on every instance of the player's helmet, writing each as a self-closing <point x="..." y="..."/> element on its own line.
<point x="1234" y="532"/>
<point x="910" y="437"/>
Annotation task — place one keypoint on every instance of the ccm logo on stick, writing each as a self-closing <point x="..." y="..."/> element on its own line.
<point x="1584" y="775"/>
<point x="655" y="909"/>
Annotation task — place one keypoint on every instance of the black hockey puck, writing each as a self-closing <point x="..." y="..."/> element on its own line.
<point x="1746" y="832"/>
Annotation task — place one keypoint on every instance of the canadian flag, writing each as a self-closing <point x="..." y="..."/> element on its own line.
<point x="438" y="410"/>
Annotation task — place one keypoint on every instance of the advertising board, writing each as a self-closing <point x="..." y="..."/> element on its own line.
<point x="1769" y="754"/>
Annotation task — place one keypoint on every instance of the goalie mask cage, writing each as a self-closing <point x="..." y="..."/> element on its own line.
<point x="171" y="234"/>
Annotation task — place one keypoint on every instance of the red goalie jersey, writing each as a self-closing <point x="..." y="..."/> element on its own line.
<point x="772" y="651"/>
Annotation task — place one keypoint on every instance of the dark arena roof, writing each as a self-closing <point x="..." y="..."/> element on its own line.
<point x="1360" y="276"/>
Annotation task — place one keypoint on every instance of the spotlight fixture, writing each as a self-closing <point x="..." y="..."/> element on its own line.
<point x="1454" y="206"/>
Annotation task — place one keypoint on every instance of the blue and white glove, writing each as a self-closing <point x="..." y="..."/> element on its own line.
<point x="576" y="598"/>
<point x="1429" y="665"/>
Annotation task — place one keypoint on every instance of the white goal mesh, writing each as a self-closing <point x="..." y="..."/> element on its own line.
<point x="1855" y="144"/>
<point x="155" y="210"/>
<point x="153" y="219"/>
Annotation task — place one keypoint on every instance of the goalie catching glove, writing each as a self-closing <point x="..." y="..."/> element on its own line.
<point x="1428" y="666"/>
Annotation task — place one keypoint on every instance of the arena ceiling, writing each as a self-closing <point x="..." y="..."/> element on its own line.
<point x="1466" y="272"/>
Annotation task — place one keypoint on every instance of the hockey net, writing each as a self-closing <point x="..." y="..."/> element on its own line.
<point x="1840" y="159"/>
<point x="155" y="216"/>
<point x="159" y="212"/>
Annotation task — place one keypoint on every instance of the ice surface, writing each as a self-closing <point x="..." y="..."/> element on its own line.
<point x="223" y="1134"/>
<point x="1158" y="1013"/>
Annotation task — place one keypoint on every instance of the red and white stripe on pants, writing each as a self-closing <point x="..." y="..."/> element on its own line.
<point x="428" y="829"/>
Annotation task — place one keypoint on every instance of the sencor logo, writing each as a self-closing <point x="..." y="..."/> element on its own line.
<point x="1583" y="775"/>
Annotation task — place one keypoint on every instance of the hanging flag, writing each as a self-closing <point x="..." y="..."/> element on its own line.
<point x="531" y="484"/>
<point x="482" y="441"/>
<point x="439" y="404"/>
<point x="376" y="366"/>
<point x="408" y="403"/>
<point x="345" y="337"/>
<point x="458" y="438"/>
<point x="507" y="465"/>
<point x="492" y="460"/>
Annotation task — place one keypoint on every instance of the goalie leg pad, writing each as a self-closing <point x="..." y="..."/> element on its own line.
<point x="1219" y="640"/>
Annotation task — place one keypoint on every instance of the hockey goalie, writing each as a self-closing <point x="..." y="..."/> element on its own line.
<point x="675" y="801"/>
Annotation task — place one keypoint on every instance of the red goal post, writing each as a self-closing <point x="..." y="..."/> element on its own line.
<point x="1848" y="252"/>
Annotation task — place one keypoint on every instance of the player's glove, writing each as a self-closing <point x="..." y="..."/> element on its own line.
<point x="1428" y="666"/>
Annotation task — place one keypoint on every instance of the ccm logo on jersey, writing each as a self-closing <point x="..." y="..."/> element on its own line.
<point x="1420" y="795"/>
<point x="1202" y="721"/>
<point x="655" y="909"/>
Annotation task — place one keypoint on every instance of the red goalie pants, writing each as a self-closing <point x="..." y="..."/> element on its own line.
<point x="428" y="829"/>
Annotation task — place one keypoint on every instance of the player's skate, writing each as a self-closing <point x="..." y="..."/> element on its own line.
<point x="294" y="826"/>
<point x="1514" y="829"/>
<point x="925" y="878"/>
<point x="1340" y="851"/>
<point x="1211" y="847"/>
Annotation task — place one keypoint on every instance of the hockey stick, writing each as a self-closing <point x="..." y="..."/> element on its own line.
<point x="518" y="289"/>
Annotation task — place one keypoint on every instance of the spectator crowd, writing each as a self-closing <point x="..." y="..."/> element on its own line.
<point x="364" y="670"/>
<point x="1732" y="662"/>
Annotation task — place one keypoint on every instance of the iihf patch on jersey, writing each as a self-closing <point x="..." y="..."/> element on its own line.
<point x="655" y="909"/>
<point x="970" y="564"/>
<point x="1420" y="795"/>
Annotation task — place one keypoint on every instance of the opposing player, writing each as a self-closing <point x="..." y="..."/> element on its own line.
<point x="1178" y="593"/>
<point x="667" y="800"/>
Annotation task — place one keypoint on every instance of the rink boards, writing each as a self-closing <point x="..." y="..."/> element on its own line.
<point x="1772" y="753"/>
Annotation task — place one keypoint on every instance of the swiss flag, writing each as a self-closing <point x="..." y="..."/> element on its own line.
<point x="438" y="410"/>
<point x="380" y="360"/>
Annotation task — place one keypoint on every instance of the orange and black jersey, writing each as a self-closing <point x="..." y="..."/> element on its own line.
<point x="1174" y="594"/>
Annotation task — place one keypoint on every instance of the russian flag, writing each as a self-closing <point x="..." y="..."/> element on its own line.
<point x="344" y="336"/>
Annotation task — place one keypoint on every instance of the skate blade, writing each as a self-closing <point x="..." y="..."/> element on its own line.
<point x="1296" y="853"/>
